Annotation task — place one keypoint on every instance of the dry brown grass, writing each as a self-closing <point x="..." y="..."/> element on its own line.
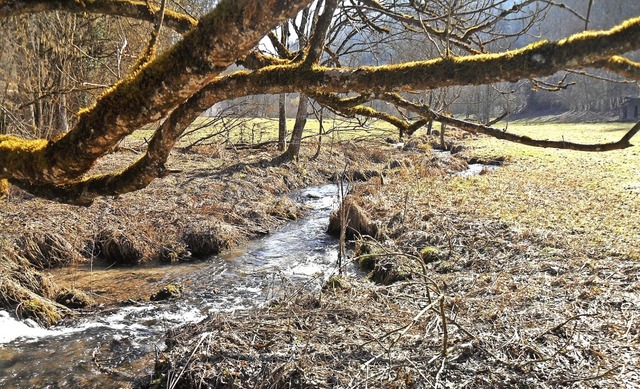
<point x="207" y="239"/>
<point x="24" y="290"/>
<point x="212" y="202"/>
<point x="535" y="264"/>
<point x="357" y="221"/>
<point x="47" y="250"/>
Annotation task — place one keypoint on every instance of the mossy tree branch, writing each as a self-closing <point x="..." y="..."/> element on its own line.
<point x="226" y="34"/>
<point x="345" y="107"/>
<point x="20" y="160"/>
<point x="621" y="66"/>
<point x="498" y="133"/>
<point x="128" y="8"/>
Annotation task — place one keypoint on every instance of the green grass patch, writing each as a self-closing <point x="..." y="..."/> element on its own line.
<point x="590" y="200"/>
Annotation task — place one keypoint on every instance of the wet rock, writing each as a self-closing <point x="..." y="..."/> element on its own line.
<point x="74" y="298"/>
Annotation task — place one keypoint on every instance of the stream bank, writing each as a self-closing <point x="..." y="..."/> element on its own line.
<point x="214" y="203"/>
<point x="112" y="348"/>
<point x="137" y="324"/>
<point x="483" y="302"/>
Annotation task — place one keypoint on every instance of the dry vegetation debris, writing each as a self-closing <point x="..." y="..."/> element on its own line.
<point x="522" y="306"/>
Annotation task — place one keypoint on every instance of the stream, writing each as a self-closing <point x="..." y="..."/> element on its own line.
<point x="112" y="348"/>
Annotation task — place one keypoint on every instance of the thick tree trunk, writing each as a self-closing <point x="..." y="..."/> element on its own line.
<point x="282" y="122"/>
<point x="293" y="151"/>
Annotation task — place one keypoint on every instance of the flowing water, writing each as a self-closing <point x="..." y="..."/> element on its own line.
<point x="110" y="348"/>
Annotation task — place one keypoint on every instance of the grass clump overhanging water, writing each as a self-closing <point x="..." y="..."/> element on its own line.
<point x="26" y="291"/>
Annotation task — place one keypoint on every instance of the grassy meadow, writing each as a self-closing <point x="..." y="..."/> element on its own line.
<point x="591" y="199"/>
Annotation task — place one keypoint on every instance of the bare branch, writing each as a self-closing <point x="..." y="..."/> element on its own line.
<point x="623" y="143"/>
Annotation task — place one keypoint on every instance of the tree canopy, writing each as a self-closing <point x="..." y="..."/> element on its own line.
<point x="176" y="85"/>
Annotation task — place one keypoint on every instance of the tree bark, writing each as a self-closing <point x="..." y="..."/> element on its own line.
<point x="141" y="10"/>
<point x="293" y="151"/>
<point x="282" y="122"/>
<point x="226" y="34"/>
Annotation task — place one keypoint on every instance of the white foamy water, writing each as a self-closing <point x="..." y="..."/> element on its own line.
<point x="297" y="256"/>
<point x="13" y="329"/>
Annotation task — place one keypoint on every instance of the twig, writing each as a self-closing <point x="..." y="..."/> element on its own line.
<point x="445" y="334"/>
<point x="403" y="330"/>
<point x="592" y="378"/>
<point x="557" y="327"/>
<point x="174" y="381"/>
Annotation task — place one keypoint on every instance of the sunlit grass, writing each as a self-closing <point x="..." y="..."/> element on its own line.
<point x="589" y="199"/>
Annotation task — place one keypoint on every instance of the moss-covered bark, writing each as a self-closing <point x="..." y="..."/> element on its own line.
<point x="186" y="77"/>
<point x="141" y="10"/>
<point x="4" y="189"/>
<point x="230" y="31"/>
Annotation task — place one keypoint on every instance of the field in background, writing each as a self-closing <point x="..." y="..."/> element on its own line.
<point x="591" y="200"/>
<point x="260" y="130"/>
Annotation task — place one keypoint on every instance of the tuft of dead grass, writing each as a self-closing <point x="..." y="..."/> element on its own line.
<point x="47" y="250"/>
<point x="357" y="221"/>
<point x="24" y="290"/>
<point x="116" y="247"/>
<point x="204" y="239"/>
